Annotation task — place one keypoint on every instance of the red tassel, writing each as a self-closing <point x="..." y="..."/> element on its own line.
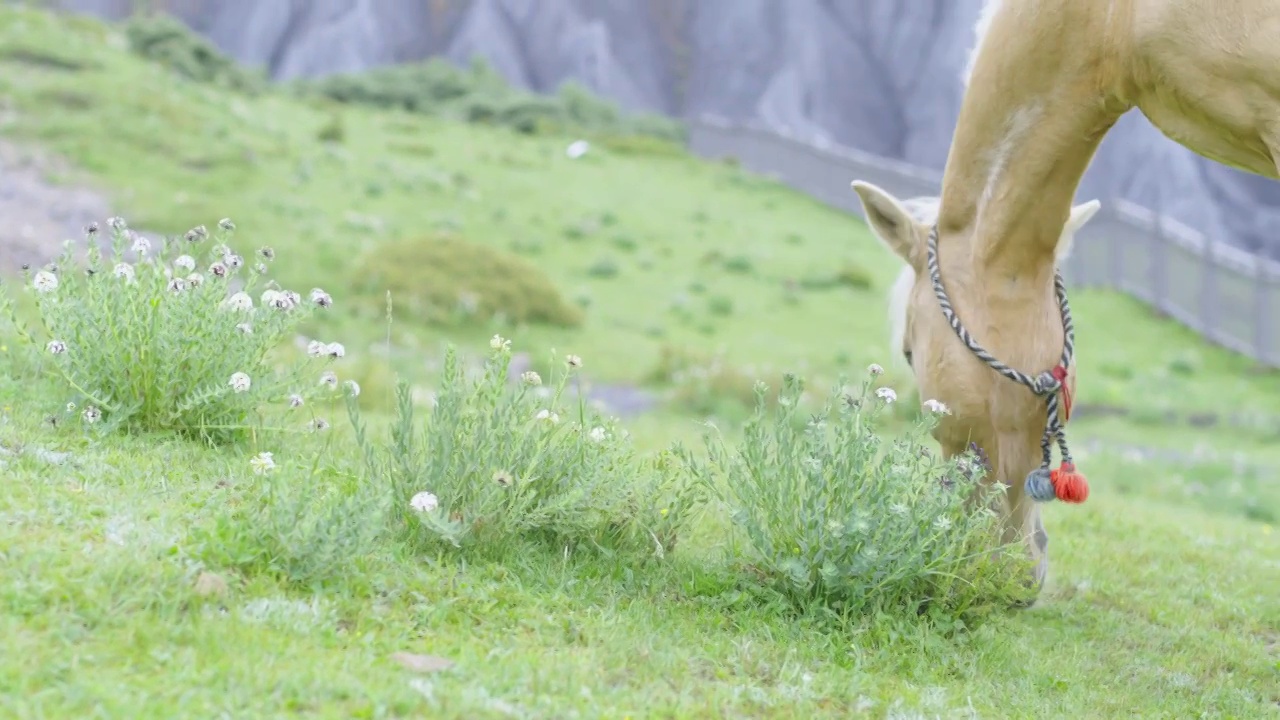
<point x="1069" y="485"/>
<point x="1060" y="372"/>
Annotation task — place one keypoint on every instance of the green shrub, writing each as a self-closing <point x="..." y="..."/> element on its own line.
<point x="739" y="264"/>
<point x="494" y="463"/>
<point x="292" y="522"/>
<point x="848" y="275"/>
<point x="836" y="517"/>
<point x="604" y="268"/>
<point x="165" y="40"/>
<point x="171" y="344"/>
<point x="446" y="279"/>
<point x="477" y="94"/>
<point x="704" y="385"/>
<point x="720" y="305"/>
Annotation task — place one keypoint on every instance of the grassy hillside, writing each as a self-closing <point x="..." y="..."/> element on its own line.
<point x="685" y="277"/>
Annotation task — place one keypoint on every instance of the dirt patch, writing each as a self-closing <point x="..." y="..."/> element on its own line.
<point x="37" y="215"/>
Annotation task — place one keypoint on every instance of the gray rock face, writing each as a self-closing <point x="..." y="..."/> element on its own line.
<point x="883" y="76"/>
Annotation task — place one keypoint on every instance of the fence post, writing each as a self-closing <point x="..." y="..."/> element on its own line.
<point x="1158" y="242"/>
<point x="1208" y="290"/>
<point x="1262" y="320"/>
<point x="1115" y="261"/>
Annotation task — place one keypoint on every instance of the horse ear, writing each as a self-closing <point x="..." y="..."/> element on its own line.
<point x="1080" y="214"/>
<point x="889" y="221"/>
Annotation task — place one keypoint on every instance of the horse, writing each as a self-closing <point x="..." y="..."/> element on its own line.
<point x="986" y="324"/>
<point x="1020" y="519"/>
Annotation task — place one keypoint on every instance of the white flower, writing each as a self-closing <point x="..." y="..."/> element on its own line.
<point x="186" y="262"/>
<point x="56" y="347"/>
<point x="260" y="268"/>
<point x="936" y="406"/>
<point x="330" y="378"/>
<point x="177" y="285"/>
<point x="91" y="414"/>
<point x="499" y="343"/>
<point x="117" y="223"/>
<point x="424" y="502"/>
<point x="141" y="246"/>
<point x="573" y="361"/>
<point x="239" y="382"/>
<point x="244" y="328"/>
<point x="503" y="478"/>
<point x="195" y="279"/>
<point x="262" y="463"/>
<point x="71" y="407"/>
<point x="318" y="425"/>
<point x="123" y="271"/>
<point x="548" y="416"/>
<point x="321" y="298"/>
<point x="266" y="253"/>
<point x="45" y="281"/>
<point x="232" y="260"/>
<point x="353" y="388"/>
<point x="239" y="302"/>
<point x="531" y="378"/>
<point x="197" y="233"/>
<point x="335" y="350"/>
<point x="280" y="299"/>
<point x="316" y="349"/>
<point x="598" y="434"/>
<point x="226" y="224"/>
<point x="218" y="270"/>
<point x="942" y="523"/>
<point x="875" y="369"/>
<point x="295" y="401"/>
<point x="887" y="395"/>
<point x="577" y="149"/>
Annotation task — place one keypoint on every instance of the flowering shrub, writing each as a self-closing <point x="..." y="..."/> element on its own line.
<point x="495" y="462"/>
<point x="835" y="515"/>
<point x="174" y="341"/>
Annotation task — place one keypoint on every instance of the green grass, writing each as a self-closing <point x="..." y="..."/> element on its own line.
<point x="1162" y="597"/>
<point x="1152" y="609"/>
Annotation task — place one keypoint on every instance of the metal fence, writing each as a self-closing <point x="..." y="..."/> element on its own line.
<point x="1229" y="296"/>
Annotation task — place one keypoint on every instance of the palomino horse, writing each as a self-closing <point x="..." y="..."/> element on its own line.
<point x="897" y="224"/>
<point x="987" y="325"/>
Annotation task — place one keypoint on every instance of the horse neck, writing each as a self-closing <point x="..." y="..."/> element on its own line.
<point x="1033" y="115"/>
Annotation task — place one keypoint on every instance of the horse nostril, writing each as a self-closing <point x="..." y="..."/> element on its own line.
<point x="907" y="354"/>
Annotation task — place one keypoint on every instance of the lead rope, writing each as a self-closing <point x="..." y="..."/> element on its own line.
<point x="1042" y="484"/>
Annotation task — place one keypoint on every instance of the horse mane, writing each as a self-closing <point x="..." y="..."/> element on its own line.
<point x="988" y="12"/>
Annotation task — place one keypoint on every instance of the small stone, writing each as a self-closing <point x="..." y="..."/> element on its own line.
<point x="422" y="663"/>
<point x="208" y="583"/>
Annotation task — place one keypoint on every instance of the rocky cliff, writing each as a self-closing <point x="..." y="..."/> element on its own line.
<point x="880" y="75"/>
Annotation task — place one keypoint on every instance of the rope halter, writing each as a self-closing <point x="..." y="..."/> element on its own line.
<point x="1042" y="484"/>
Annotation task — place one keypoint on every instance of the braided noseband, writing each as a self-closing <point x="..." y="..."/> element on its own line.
<point x="1042" y="484"/>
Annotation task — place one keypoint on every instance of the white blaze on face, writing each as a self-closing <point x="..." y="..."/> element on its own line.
<point x="899" y="297"/>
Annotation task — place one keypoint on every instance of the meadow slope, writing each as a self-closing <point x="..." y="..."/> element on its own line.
<point x="693" y="280"/>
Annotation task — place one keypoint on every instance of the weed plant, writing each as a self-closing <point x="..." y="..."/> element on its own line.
<point x="152" y="339"/>
<point x="833" y="516"/>
<point x="495" y="462"/>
